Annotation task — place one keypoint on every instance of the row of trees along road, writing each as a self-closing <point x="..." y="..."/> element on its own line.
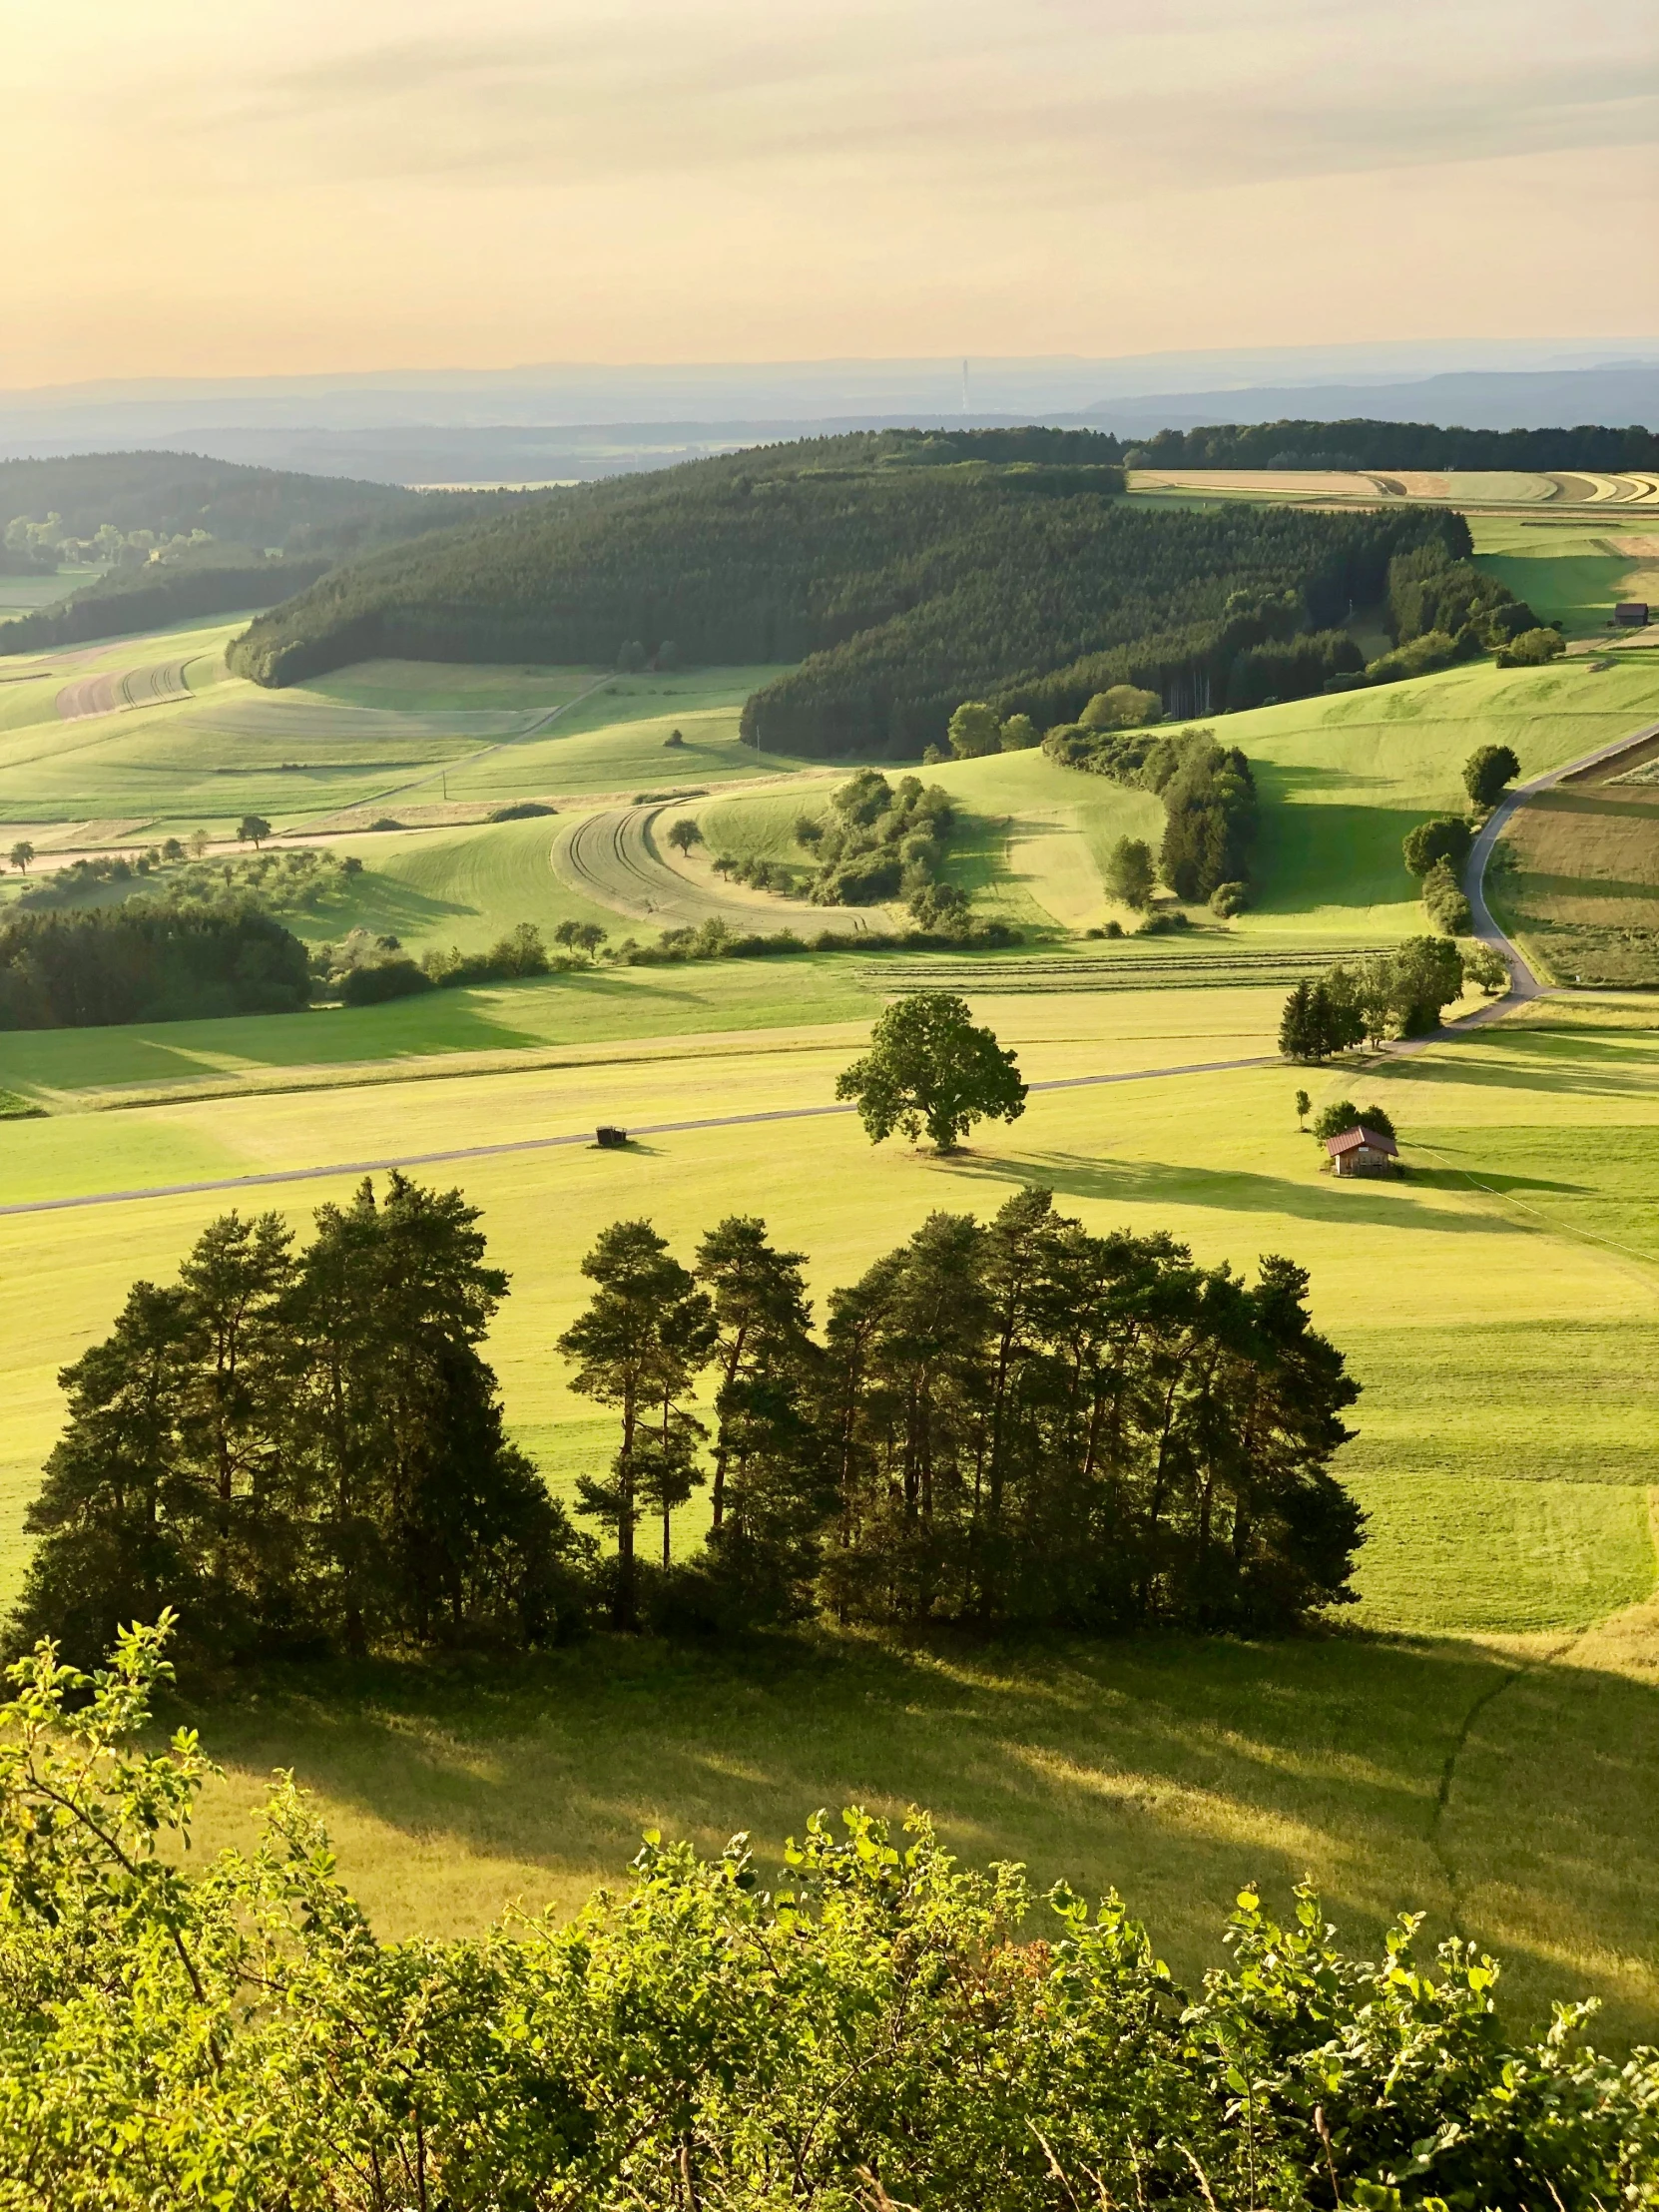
<point x="1012" y="1423"/>
<point x="1383" y="994"/>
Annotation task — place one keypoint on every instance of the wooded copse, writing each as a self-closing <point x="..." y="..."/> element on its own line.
<point x="155" y="596"/>
<point x="900" y="585"/>
<point x="874" y="2028"/>
<point x="1385" y="994"/>
<point x="1207" y="790"/>
<point x="1012" y="1424"/>
<point x="148" y="961"/>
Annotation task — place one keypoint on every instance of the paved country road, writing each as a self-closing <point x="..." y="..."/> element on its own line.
<point x="1525" y="984"/>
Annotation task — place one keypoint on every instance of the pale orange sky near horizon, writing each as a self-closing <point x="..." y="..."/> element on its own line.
<point x="266" y="189"/>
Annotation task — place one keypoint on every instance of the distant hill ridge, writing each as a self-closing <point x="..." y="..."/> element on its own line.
<point x="904" y="571"/>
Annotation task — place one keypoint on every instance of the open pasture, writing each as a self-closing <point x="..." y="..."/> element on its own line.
<point x="1572" y="573"/>
<point x="431" y="739"/>
<point x="21" y="594"/>
<point x="1499" y="1306"/>
<point x="1342" y="780"/>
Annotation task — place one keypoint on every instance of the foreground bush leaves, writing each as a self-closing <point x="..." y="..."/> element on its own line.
<point x="870" y="2034"/>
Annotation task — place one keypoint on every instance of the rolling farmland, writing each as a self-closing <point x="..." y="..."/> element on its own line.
<point x="1488" y="1715"/>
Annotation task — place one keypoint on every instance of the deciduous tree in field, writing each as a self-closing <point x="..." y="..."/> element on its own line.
<point x="21" y="855"/>
<point x="684" y="834"/>
<point x="647" y="1333"/>
<point x="1490" y="769"/>
<point x="975" y="729"/>
<point x="931" y="1070"/>
<point x="1446" y="837"/>
<point x="251" y="830"/>
<point x="1131" y="874"/>
<point x="1122" y="707"/>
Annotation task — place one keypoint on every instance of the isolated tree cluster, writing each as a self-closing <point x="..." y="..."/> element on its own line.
<point x="1012" y="1424"/>
<point x="1383" y="994"/>
<point x="1209" y="797"/>
<point x="303" y="1449"/>
<point x="151" y="959"/>
<point x="879" y="841"/>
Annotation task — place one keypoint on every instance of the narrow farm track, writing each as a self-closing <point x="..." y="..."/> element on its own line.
<point x="161" y="684"/>
<point x="581" y="1137"/>
<point x="612" y="858"/>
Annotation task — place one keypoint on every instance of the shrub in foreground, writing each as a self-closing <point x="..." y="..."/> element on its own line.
<point x="871" y="2033"/>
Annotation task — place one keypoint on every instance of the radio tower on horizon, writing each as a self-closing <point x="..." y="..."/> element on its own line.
<point x="967" y="406"/>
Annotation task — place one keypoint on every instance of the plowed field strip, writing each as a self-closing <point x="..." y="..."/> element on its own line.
<point x="609" y="857"/>
<point x="161" y="684"/>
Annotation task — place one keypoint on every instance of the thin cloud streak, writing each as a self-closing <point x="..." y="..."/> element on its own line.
<point x="293" y="185"/>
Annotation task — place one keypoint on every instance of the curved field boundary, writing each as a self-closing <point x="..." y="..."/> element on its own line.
<point x="162" y="684"/>
<point x="611" y="858"/>
<point x="1525" y="984"/>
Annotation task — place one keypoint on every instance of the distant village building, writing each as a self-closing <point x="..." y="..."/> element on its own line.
<point x="1631" y="614"/>
<point x="1362" y="1151"/>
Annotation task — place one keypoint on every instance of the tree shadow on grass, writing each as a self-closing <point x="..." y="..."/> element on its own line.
<point x="1456" y="1179"/>
<point x="1505" y="1060"/>
<point x="1234" y="1191"/>
<point x="1171" y="1767"/>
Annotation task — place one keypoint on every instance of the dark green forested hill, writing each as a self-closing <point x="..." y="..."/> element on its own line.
<point x="167" y="492"/>
<point x="904" y="571"/>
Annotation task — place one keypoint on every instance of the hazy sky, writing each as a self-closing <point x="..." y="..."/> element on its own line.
<point x="272" y="186"/>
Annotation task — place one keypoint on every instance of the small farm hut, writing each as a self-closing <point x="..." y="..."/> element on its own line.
<point x="1631" y="614"/>
<point x="1362" y="1151"/>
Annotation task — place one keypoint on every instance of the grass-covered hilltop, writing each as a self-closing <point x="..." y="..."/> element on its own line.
<point x="903" y="572"/>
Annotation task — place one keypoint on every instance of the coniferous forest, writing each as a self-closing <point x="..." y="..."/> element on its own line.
<point x="902" y="573"/>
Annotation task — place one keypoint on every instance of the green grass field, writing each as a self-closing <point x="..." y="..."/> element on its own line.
<point x="1571" y="574"/>
<point x="1342" y="780"/>
<point x="371" y="740"/>
<point x="1480" y="1736"/>
<point x="1498" y="1308"/>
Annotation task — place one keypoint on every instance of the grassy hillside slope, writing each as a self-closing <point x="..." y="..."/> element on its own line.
<point x="1498" y="1306"/>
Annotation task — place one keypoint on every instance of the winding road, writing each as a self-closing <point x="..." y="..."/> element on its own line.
<point x="612" y="858"/>
<point x="1525" y="984"/>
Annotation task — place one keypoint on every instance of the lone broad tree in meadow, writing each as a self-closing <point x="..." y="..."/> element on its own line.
<point x="251" y="830"/>
<point x="930" y="1069"/>
<point x="1486" y="773"/>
